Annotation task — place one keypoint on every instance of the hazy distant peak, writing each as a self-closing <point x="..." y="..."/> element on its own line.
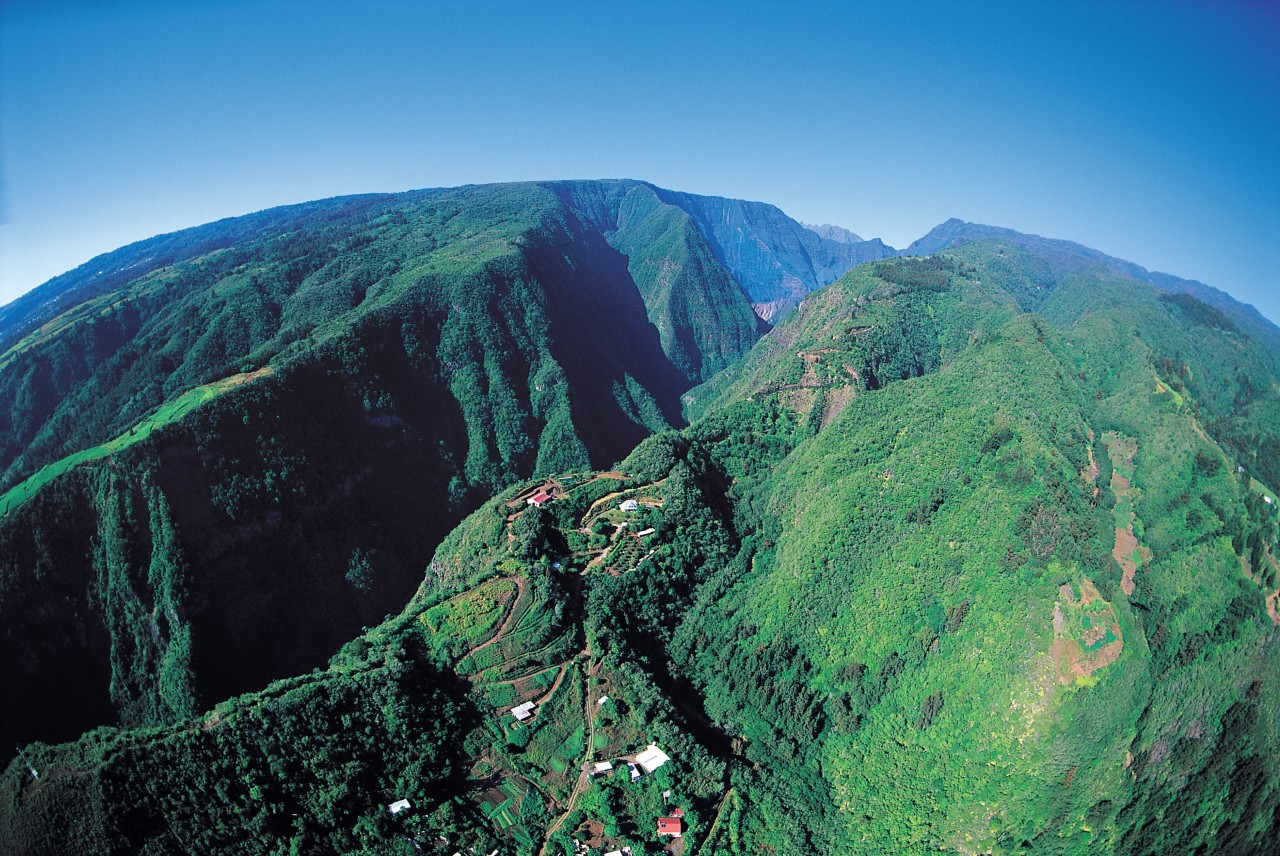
<point x="839" y="234"/>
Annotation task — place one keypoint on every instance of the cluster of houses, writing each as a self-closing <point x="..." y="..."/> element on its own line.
<point x="645" y="762"/>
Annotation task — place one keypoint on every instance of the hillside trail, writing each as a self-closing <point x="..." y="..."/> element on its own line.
<point x="711" y="833"/>
<point x="476" y="677"/>
<point x="584" y="776"/>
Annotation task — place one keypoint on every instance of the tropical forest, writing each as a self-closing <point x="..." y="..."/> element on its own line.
<point x="590" y="517"/>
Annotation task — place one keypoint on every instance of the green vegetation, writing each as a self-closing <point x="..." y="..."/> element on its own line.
<point x="971" y="553"/>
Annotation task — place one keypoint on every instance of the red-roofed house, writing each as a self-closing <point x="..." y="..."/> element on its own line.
<point x="678" y="813"/>
<point x="539" y="498"/>
<point x="670" y="826"/>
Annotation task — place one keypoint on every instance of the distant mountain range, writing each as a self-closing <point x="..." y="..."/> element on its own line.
<point x="970" y="547"/>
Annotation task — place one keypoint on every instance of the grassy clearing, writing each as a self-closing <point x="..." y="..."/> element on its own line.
<point x="98" y="307"/>
<point x="165" y="415"/>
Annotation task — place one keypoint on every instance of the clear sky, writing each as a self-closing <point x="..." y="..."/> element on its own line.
<point x="1148" y="130"/>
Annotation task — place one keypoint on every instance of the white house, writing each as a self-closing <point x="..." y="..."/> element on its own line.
<point x="523" y="711"/>
<point x="652" y="758"/>
<point x="398" y="806"/>
<point x="629" y="505"/>
<point x="602" y="699"/>
<point x="603" y="767"/>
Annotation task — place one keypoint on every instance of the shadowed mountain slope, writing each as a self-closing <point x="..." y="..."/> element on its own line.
<point x="233" y="446"/>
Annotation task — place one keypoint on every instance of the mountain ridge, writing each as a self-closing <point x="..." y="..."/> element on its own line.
<point x="954" y="231"/>
<point x="974" y="551"/>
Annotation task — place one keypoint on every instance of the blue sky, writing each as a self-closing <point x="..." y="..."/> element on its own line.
<point x="1148" y="130"/>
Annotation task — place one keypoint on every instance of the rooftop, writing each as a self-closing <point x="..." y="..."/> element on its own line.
<point x="652" y="758"/>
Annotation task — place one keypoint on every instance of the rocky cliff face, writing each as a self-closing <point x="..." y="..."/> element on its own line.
<point x="775" y="259"/>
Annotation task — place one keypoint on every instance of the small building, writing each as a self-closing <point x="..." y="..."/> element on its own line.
<point x="678" y="813"/>
<point x="614" y="853"/>
<point x="603" y="767"/>
<point x="672" y="826"/>
<point x="645" y="532"/>
<point x="523" y="711"/>
<point x="652" y="758"/>
<point x="629" y="505"/>
<point x="398" y="806"/>
<point x="1267" y="500"/>
<point x="635" y="774"/>
<point x="539" y="498"/>
<point x="602" y="699"/>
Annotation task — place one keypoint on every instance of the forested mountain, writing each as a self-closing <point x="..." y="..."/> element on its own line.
<point x="1068" y="256"/>
<point x="973" y="552"/>
<point x="225" y="450"/>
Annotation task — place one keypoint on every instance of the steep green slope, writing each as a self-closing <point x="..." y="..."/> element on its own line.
<point x="110" y="271"/>
<point x="882" y="322"/>
<point x="988" y="642"/>
<point x="703" y="316"/>
<point x="775" y="260"/>
<point x="1064" y="257"/>
<point x="914" y="550"/>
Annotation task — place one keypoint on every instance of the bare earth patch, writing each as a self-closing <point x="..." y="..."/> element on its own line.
<point x="1126" y="544"/>
<point x="837" y="401"/>
<point x="246" y="377"/>
<point x="1088" y="592"/>
<point x="1127" y="551"/>
<point x="1080" y="631"/>
<point x="1092" y="471"/>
